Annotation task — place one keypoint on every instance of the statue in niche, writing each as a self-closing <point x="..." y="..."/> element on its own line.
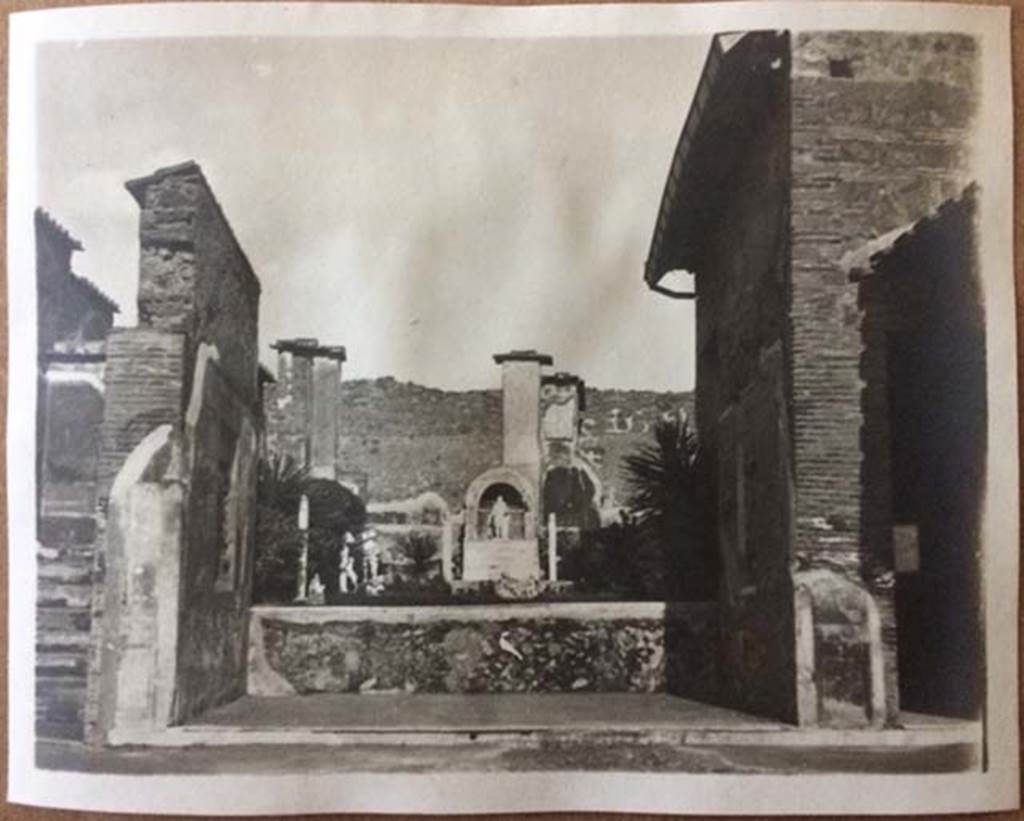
<point x="499" y="520"/>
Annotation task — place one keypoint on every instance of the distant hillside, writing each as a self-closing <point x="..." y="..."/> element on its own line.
<point x="408" y="438"/>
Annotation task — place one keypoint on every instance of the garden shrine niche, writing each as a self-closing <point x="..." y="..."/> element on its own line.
<point x="542" y="486"/>
<point x="502" y="513"/>
<point x="501" y="530"/>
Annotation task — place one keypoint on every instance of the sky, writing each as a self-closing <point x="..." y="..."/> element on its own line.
<point x="425" y="203"/>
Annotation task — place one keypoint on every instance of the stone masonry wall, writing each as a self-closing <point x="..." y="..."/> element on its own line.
<point x="187" y="374"/>
<point x="547" y="648"/>
<point x="195" y="277"/>
<point x="408" y="439"/>
<point x="288" y="408"/>
<point x="880" y="125"/>
<point x="218" y="545"/>
<point x="742" y="338"/>
<point x="143" y="385"/>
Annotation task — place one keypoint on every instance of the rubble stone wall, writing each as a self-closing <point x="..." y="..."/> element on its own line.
<point x="593" y="647"/>
<point x="194" y="276"/>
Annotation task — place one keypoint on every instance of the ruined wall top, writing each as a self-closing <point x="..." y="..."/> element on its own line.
<point x="194" y="276"/>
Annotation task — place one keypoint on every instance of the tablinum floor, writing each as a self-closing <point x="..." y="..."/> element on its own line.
<point x="448" y="718"/>
<point x="465" y="713"/>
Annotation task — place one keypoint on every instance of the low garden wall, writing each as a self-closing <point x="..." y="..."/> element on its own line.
<point x="501" y="648"/>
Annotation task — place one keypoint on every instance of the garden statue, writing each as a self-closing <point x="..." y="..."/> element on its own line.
<point x="500" y="519"/>
<point x="315" y="592"/>
<point x="371" y="562"/>
<point x="347" y="578"/>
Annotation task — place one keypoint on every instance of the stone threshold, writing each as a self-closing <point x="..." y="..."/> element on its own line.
<point x="531" y="720"/>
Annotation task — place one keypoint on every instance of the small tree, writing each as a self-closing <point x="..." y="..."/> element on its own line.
<point x="672" y="551"/>
<point x="334" y="512"/>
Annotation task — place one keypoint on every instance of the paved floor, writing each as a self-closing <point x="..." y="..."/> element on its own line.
<point x="460" y="713"/>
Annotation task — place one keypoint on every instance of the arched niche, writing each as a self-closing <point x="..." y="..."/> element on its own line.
<point x="483" y="492"/>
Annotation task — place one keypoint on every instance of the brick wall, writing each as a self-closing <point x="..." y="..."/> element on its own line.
<point x="879" y="130"/>
<point x="144" y="389"/>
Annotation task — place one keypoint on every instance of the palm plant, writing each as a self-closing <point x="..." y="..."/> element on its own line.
<point x="665" y="501"/>
<point x="420" y="551"/>
<point x="280" y="483"/>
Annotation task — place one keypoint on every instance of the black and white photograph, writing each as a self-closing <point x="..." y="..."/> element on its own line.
<point x="553" y="397"/>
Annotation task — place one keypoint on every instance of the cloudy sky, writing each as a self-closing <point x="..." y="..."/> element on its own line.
<point x="424" y="202"/>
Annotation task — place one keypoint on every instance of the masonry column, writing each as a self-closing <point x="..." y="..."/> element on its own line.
<point x="520" y="391"/>
<point x="302" y="410"/>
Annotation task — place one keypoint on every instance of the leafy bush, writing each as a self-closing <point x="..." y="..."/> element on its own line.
<point x="278" y="547"/>
<point x="334" y="511"/>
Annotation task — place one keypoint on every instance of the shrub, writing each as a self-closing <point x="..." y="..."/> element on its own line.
<point x="278" y="546"/>
<point x="334" y="511"/>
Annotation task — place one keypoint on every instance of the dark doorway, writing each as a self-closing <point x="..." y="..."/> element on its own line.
<point x="935" y="364"/>
<point x="569" y="494"/>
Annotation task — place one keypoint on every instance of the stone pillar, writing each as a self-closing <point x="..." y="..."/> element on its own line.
<point x="520" y="391"/>
<point x="302" y="410"/>
<point x="552" y="547"/>
<point x="447" y="549"/>
<point x="323" y="445"/>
